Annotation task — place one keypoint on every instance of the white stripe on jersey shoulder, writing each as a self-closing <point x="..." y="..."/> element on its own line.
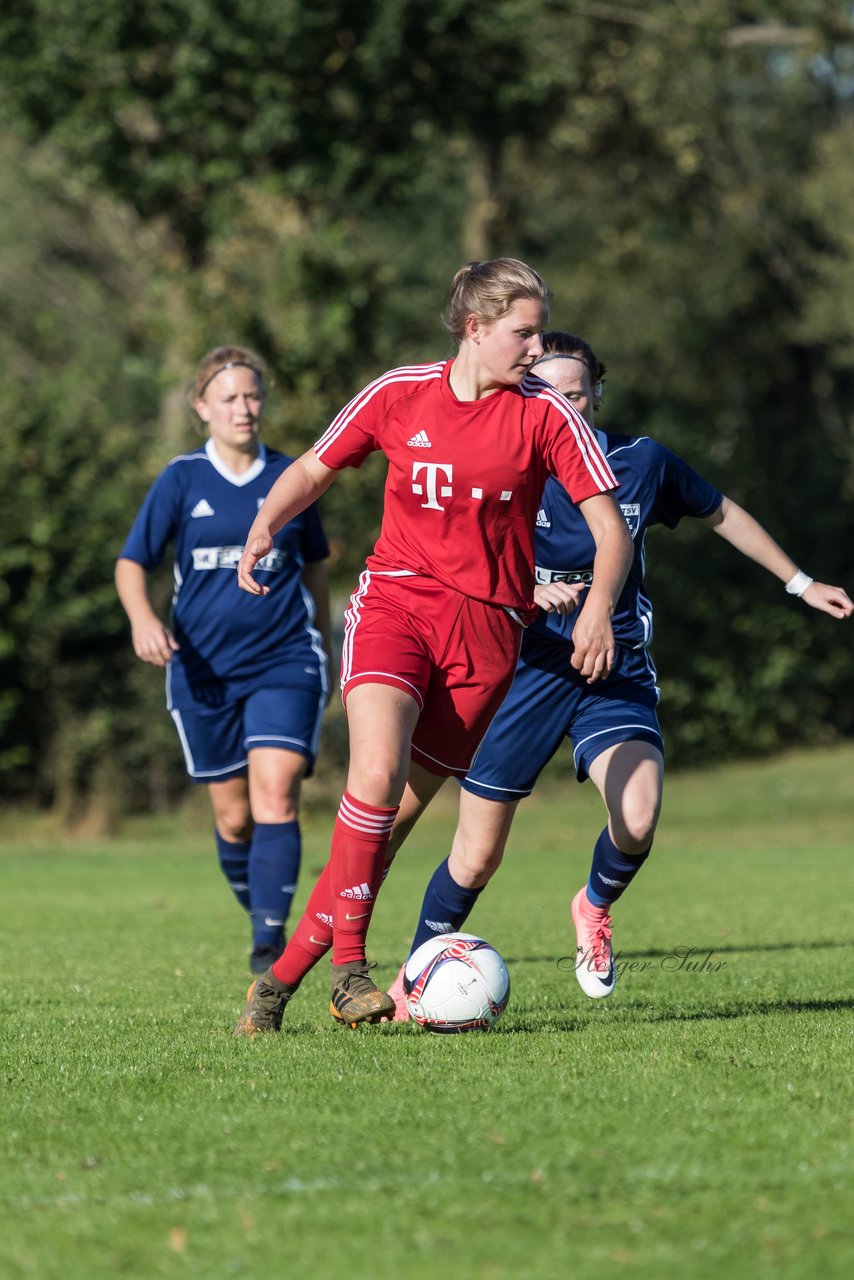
<point x="533" y="387"/>
<point x="636" y="440"/>
<point x="198" y="456"/>
<point x="407" y="373"/>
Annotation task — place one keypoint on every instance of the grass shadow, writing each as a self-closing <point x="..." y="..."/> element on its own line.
<point x="555" y="1019"/>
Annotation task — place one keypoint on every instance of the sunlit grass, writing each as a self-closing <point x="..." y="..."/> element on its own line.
<point x="695" y="1125"/>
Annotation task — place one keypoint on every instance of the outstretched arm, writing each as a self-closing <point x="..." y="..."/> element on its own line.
<point x="303" y="482"/>
<point x="594" y="647"/>
<point x="750" y="538"/>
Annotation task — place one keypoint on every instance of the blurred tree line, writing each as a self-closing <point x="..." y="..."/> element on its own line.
<point x="306" y="178"/>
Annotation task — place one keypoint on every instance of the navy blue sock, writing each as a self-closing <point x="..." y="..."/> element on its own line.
<point x="234" y="860"/>
<point x="446" y="906"/>
<point x="273" y="870"/>
<point x="612" y="870"/>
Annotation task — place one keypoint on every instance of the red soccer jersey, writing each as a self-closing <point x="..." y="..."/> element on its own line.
<point x="465" y="477"/>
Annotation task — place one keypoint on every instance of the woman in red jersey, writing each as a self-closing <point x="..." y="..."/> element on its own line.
<point x="434" y="626"/>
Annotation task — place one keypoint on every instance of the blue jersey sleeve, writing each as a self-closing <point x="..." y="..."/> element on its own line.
<point x="682" y="491"/>
<point x="314" y="544"/>
<point x="156" y="524"/>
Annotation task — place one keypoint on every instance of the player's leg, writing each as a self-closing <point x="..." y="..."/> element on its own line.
<point x="476" y="853"/>
<point x="281" y="728"/>
<point x="233" y="832"/>
<point x="521" y="738"/>
<point x="385" y="668"/>
<point x="522" y="735"/>
<point x="628" y="776"/>
<point x="483" y="719"/>
<point x="312" y="938"/>
<point x="617" y="742"/>
<point x="421" y="787"/>
<point x="381" y="719"/>
<point x="275" y="778"/>
<point x="214" y="753"/>
<point x="450" y="720"/>
<point x="456" y="884"/>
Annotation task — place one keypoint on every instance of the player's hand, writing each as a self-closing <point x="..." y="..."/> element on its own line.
<point x="594" y="648"/>
<point x="154" y="643"/>
<point x="256" y="548"/>
<point x="559" y="597"/>
<point x="832" y="600"/>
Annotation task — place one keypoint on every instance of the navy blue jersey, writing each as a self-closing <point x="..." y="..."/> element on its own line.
<point x="231" y="642"/>
<point x="656" y="487"/>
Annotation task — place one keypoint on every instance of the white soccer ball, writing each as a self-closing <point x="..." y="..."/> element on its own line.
<point x="456" y="982"/>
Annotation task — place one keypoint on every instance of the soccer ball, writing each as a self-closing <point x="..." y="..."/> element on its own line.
<point x="456" y="982"/>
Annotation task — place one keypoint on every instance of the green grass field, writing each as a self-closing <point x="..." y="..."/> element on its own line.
<point x="695" y="1125"/>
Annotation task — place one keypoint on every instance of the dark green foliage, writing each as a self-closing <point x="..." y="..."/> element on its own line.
<point x="80" y="397"/>
<point x="306" y="178"/>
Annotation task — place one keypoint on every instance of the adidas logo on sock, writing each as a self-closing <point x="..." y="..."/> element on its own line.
<point x="323" y="918"/>
<point x="202" y="508"/>
<point x="421" y="440"/>
<point x="440" y="926"/>
<point x="361" y="892"/>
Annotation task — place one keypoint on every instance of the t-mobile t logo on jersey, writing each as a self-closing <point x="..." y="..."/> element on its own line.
<point x="431" y="487"/>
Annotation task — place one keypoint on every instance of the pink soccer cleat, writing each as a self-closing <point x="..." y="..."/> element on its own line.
<point x="594" y="958"/>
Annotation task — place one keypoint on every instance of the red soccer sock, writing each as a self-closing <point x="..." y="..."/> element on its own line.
<point x="359" y="848"/>
<point x="312" y="937"/>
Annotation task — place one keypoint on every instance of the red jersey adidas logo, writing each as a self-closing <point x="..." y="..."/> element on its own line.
<point x="421" y="440"/>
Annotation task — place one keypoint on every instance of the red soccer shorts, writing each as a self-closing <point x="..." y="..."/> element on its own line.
<point x="455" y="656"/>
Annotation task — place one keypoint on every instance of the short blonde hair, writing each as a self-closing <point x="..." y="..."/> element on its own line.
<point x="489" y="289"/>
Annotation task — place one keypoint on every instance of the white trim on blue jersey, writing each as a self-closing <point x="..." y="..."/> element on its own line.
<point x="239" y="478"/>
<point x="230" y="644"/>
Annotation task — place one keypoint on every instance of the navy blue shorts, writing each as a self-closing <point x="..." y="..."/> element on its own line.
<point x="549" y="701"/>
<point x="216" y="741"/>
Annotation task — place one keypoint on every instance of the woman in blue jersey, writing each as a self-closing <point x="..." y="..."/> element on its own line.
<point x="246" y="679"/>
<point x="613" y="725"/>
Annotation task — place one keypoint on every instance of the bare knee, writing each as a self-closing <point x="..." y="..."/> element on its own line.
<point x="473" y="863"/>
<point x="633" y="827"/>
<point x="480" y="839"/>
<point x="275" y="778"/>
<point x="234" y="822"/>
<point x="379" y="782"/>
<point x="270" y="803"/>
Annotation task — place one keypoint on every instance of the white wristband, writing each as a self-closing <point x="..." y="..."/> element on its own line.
<point x="797" y="585"/>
